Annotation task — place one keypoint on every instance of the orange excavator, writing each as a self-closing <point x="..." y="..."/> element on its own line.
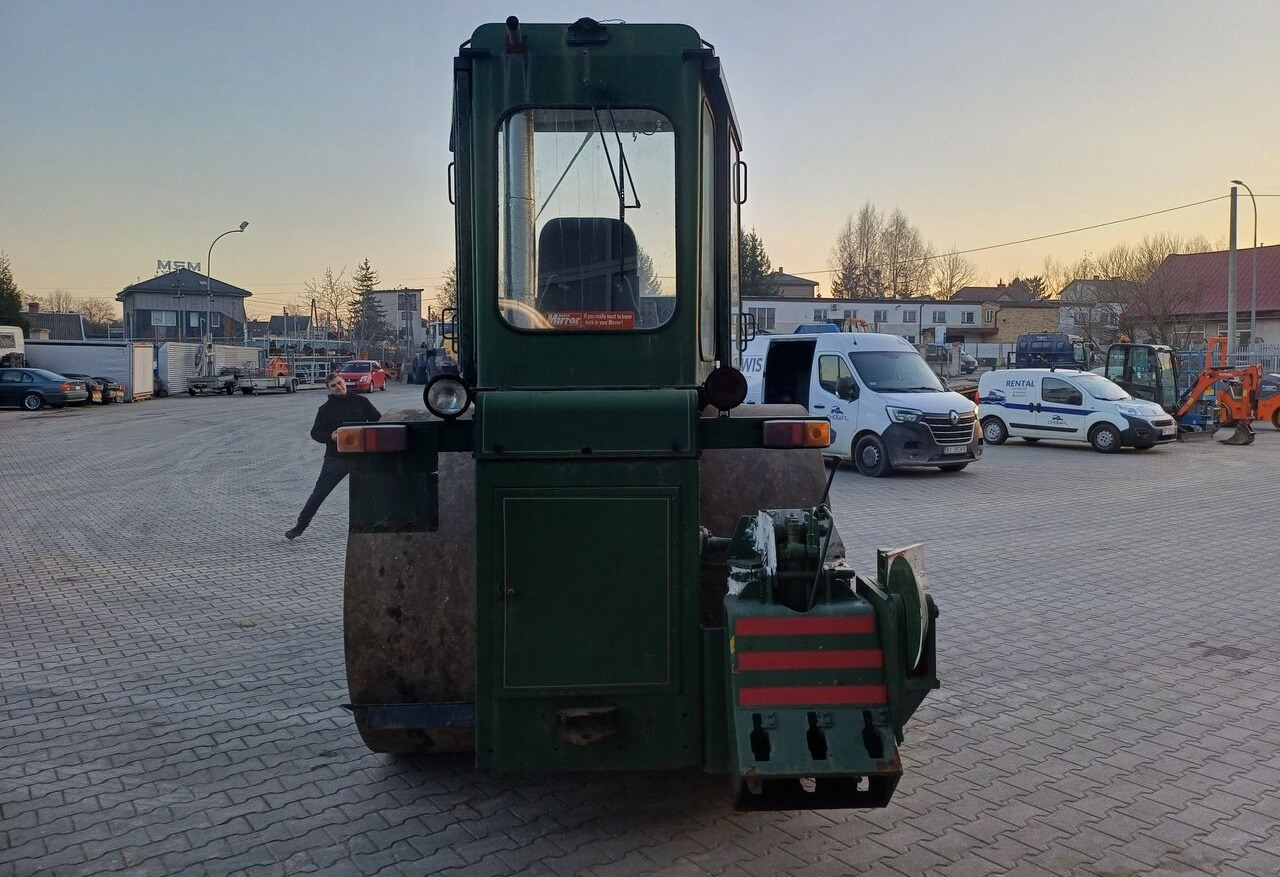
<point x="1240" y="394"/>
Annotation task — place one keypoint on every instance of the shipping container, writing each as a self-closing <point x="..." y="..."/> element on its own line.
<point x="177" y="361"/>
<point x="130" y="363"/>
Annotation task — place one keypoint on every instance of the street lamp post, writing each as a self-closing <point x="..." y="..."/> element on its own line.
<point x="208" y="268"/>
<point x="1253" y="306"/>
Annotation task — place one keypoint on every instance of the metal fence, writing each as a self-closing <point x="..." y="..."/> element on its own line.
<point x="1265" y="355"/>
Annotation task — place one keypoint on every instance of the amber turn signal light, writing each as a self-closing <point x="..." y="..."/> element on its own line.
<point x="797" y="434"/>
<point x="373" y="439"/>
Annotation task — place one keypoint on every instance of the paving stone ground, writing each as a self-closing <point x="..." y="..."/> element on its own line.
<point x="171" y="675"/>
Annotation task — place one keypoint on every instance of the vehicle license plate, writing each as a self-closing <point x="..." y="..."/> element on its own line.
<point x="955" y="449"/>
<point x="1168" y="430"/>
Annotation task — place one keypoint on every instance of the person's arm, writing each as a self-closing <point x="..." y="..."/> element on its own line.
<point x="370" y="410"/>
<point x="321" y="430"/>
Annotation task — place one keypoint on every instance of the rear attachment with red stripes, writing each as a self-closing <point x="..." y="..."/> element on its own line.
<point x="824" y="667"/>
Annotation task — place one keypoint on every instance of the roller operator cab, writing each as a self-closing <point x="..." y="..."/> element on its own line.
<point x="887" y="408"/>
<point x="591" y="556"/>
<point x="1069" y="405"/>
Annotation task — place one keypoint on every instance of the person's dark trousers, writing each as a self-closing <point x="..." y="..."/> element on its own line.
<point x="333" y="471"/>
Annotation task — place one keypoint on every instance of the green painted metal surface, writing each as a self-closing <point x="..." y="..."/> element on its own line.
<point x="584" y="603"/>
<point x="600" y="423"/>
<point x="659" y="67"/>
<point x="815" y="672"/>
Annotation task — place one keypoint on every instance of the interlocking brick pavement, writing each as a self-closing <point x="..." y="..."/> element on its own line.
<point x="171" y="675"/>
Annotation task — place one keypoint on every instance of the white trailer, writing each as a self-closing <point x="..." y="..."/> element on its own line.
<point x="176" y="362"/>
<point x="129" y="363"/>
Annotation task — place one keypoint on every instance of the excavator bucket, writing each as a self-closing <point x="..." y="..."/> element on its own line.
<point x="1241" y="435"/>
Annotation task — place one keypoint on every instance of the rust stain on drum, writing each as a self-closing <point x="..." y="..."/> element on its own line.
<point x="409" y="608"/>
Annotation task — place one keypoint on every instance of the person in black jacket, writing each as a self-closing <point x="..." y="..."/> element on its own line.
<point x="339" y="409"/>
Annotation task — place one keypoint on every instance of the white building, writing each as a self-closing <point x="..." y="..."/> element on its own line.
<point x="919" y="320"/>
<point x="403" y="310"/>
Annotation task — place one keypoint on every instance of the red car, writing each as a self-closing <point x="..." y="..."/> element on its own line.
<point x="363" y="375"/>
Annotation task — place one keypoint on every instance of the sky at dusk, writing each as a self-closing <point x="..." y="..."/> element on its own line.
<point x="135" y="131"/>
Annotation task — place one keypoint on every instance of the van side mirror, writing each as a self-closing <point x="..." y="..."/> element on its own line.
<point x="846" y="389"/>
<point x="449" y="324"/>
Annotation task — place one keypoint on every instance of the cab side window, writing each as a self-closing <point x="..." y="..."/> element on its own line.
<point x="835" y="376"/>
<point x="1058" y="391"/>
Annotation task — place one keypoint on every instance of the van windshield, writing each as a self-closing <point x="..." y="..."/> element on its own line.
<point x="1100" y="388"/>
<point x="891" y="371"/>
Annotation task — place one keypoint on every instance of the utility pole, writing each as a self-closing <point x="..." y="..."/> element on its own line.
<point x="1231" y="281"/>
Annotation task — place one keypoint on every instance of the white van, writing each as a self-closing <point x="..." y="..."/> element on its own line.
<point x="887" y="408"/>
<point x="1068" y="405"/>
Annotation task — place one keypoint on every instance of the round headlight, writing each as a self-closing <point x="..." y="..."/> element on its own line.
<point x="725" y="388"/>
<point x="446" y="396"/>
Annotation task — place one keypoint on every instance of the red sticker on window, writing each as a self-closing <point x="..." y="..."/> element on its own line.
<point x="592" y="319"/>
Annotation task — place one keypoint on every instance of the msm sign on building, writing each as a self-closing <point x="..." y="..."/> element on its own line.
<point x="164" y="266"/>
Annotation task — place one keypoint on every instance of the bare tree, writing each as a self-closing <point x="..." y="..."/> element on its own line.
<point x="1142" y="304"/>
<point x="905" y="258"/>
<point x="331" y="293"/>
<point x="59" y="301"/>
<point x="1160" y="307"/>
<point x="857" y="257"/>
<point x="951" y="273"/>
<point x="99" y="311"/>
<point x="1056" y="276"/>
<point x="447" y="291"/>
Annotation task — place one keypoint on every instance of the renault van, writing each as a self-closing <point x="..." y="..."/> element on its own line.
<point x="1070" y="405"/>
<point x="887" y="408"/>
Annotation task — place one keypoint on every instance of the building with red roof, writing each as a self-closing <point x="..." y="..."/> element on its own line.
<point x="1186" y="299"/>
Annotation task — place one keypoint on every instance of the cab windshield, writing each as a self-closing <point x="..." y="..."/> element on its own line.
<point x="891" y="371"/>
<point x="1100" y="388"/>
<point x="586" y="219"/>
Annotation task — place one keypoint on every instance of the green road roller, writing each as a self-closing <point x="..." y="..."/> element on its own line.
<point x="585" y="553"/>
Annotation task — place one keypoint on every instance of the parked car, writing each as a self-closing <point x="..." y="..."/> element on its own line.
<point x="33" y="388"/>
<point x="93" y="386"/>
<point x="364" y="375"/>
<point x="1068" y="405"/>
<point x="968" y="365"/>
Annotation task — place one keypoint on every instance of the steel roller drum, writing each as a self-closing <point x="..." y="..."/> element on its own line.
<point x="409" y="611"/>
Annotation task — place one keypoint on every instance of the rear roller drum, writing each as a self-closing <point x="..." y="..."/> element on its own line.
<point x="409" y="618"/>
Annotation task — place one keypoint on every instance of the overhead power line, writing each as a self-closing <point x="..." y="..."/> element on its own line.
<point x="1042" y="237"/>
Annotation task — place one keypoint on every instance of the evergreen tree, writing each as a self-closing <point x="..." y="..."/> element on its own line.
<point x="10" y="298"/>
<point x="755" y="272"/>
<point x="650" y="283"/>
<point x="369" y="327"/>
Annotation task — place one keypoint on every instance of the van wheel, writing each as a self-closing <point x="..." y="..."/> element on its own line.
<point x="994" y="431"/>
<point x="952" y="467"/>
<point x="1104" y="438"/>
<point x="870" y="457"/>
